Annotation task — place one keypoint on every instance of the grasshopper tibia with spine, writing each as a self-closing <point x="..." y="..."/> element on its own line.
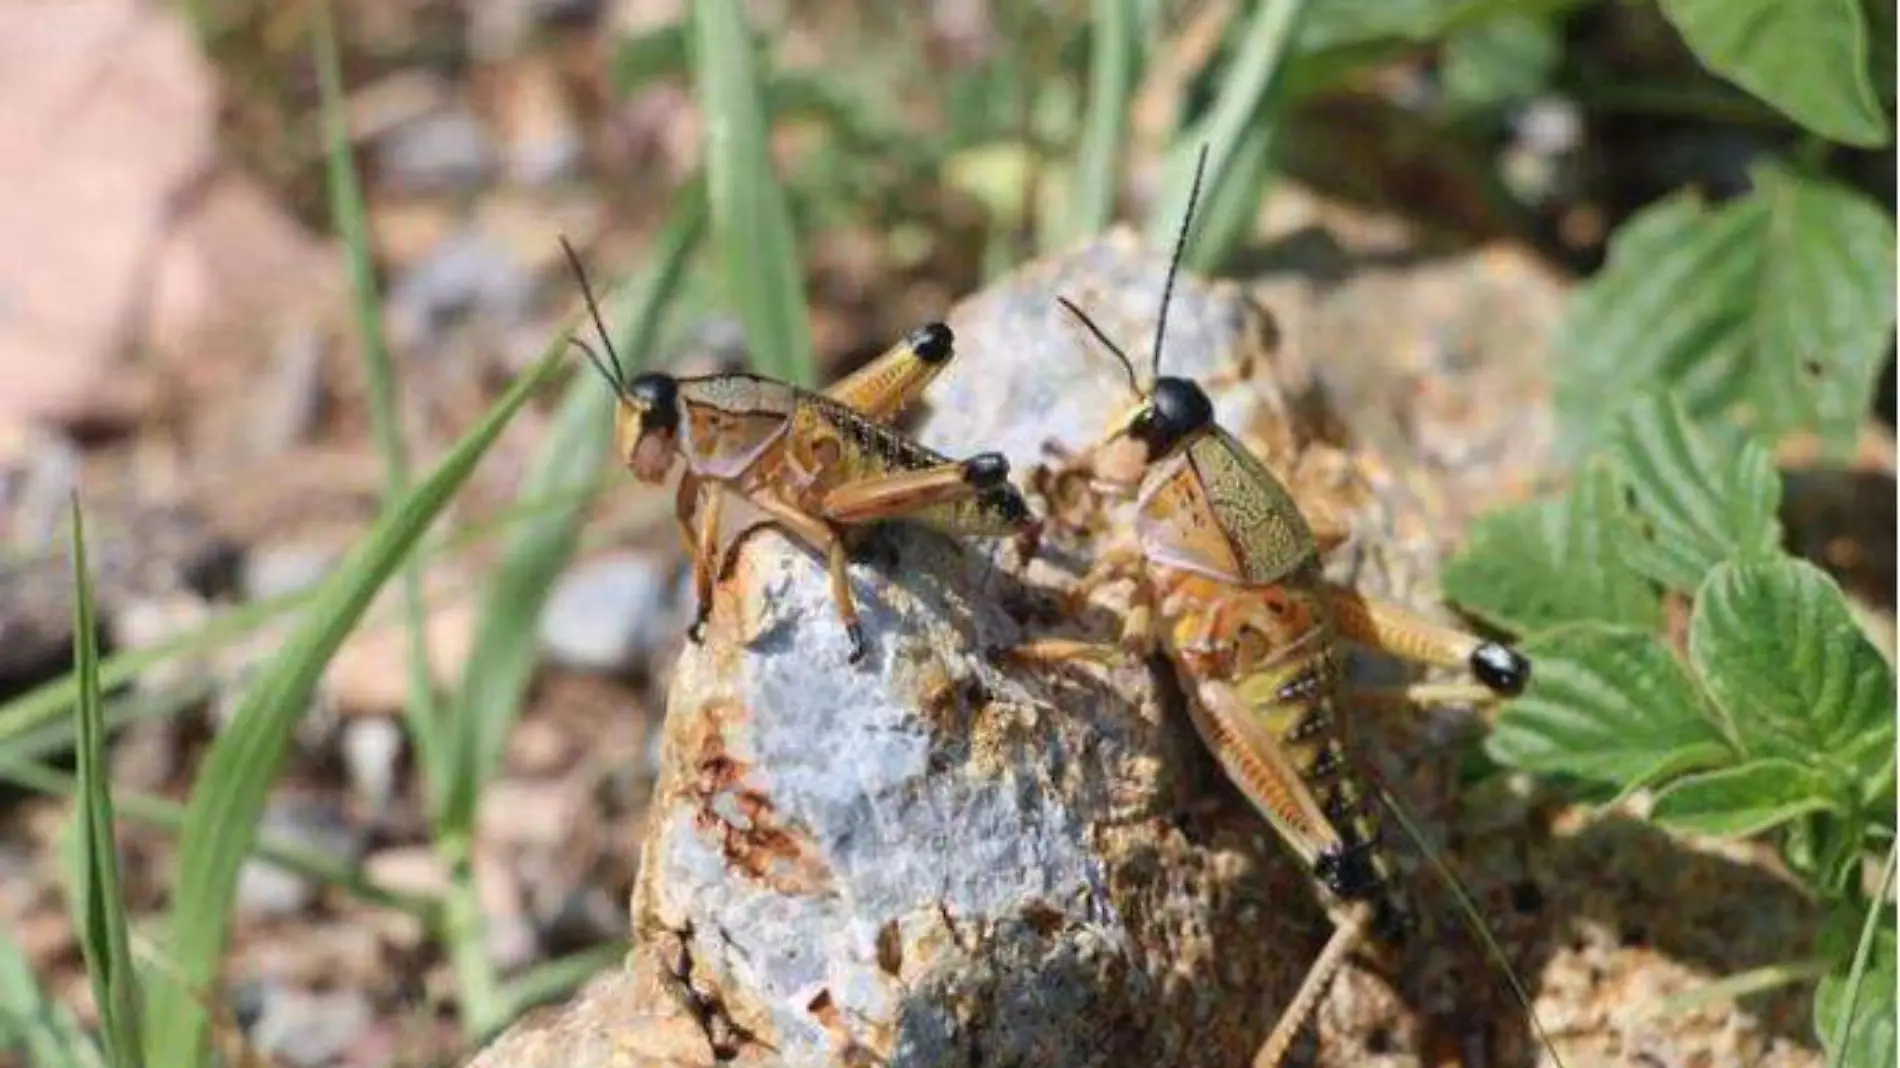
<point x="817" y="465"/>
<point x="1227" y="582"/>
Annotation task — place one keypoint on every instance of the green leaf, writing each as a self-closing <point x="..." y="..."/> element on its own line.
<point x="1779" y="304"/>
<point x="751" y="226"/>
<point x="637" y="59"/>
<point x="1853" y="1006"/>
<point x="1609" y="705"/>
<point x="237" y="773"/>
<point x="1778" y="651"/>
<point x="1507" y="59"/>
<point x="1696" y="504"/>
<point x="1347" y="23"/>
<point x="1825" y="300"/>
<point x="103" y="934"/>
<point x="1743" y="800"/>
<point x="1554" y="561"/>
<point x="33" y="1021"/>
<point x="1809" y="60"/>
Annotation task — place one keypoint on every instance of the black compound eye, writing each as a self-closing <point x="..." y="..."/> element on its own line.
<point x="1501" y="668"/>
<point x="986" y="469"/>
<point x="932" y="342"/>
<point x="659" y="395"/>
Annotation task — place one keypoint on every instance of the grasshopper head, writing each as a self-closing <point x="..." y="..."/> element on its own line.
<point x="646" y="426"/>
<point x="1173" y="413"/>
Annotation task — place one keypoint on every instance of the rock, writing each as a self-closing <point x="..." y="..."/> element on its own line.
<point x="290" y="400"/>
<point x="94" y="169"/>
<point x="264" y="889"/>
<point x="541" y="139"/>
<point x="470" y="272"/>
<point x="150" y="621"/>
<point x="610" y="614"/>
<point x="446" y="151"/>
<point x="414" y="869"/>
<point x="371" y="747"/>
<point x="370" y="673"/>
<point x="278" y="570"/>
<point x="39" y="469"/>
<point x="302" y="1028"/>
<point x="932" y="859"/>
<point x="140" y="553"/>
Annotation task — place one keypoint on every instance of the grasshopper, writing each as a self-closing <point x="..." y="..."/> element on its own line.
<point x="1228" y="583"/>
<point x="817" y="465"/>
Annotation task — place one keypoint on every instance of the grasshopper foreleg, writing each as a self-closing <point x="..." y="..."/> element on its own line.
<point x="825" y="538"/>
<point x="699" y="531"/>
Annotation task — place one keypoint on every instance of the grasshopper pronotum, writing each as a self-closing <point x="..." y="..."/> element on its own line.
<point x="1228" y="583"/>
<point x="816" y="464"/>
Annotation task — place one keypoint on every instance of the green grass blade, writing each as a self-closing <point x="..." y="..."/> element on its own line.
<point x="346" y="204"/>
<point x="1473" y="918"/>
<point x="752" y="228"/>
<point x="1863" y="953"/>
<point x="221" y="819"/>
<point x="39" y="721"/>
<point x="556" y="979"/>
<point x="1112" y="76"/>
<point x="1238" y="134"/>
<point x="32" y="1021"/>
<point x="167" y="815"/>
<point x="103" y="933"/>
<point x="1737" y="986"/>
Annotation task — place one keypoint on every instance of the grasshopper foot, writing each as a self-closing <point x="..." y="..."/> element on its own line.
<point x="855" y="632"/>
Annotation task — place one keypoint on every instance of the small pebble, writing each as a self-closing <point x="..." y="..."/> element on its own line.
<point x="265" y="889"/>
<point x="279" y="570"/>
<point x="1549" y="125"/>
<point x="466" y="273"/>
<point x="580" y="917"/>
<point x="154" y="620"/>
<point x="610" y="614"/>
<point x="526" y="813"/>
<point x="541" y="139"/>
<point x="302" y="1028"/>
<point x="372" y="745"/>
<point x="410" y="869"/>
<point x="448" y="151"/>
<point x="290" y="400"/>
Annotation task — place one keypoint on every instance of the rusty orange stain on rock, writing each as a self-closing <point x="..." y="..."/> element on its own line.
<point x="743" y="817"/>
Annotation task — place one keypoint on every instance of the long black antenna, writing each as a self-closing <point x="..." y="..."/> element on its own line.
<point x="1180" y="250"/>
<point x="616" y="377"/>
<point x="594" y="358"/>
<point x="1080" y="316"/>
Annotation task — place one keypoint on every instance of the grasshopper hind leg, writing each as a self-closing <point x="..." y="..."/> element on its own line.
<point x="1405" y="634"/>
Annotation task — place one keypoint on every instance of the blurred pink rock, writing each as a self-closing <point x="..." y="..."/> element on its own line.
<point x="123" y="232"/>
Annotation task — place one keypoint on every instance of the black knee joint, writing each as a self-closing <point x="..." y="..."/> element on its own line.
<point x="986" y="470"/>
<point x="932" y="342"/>
<point x="1502" y="669"/>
